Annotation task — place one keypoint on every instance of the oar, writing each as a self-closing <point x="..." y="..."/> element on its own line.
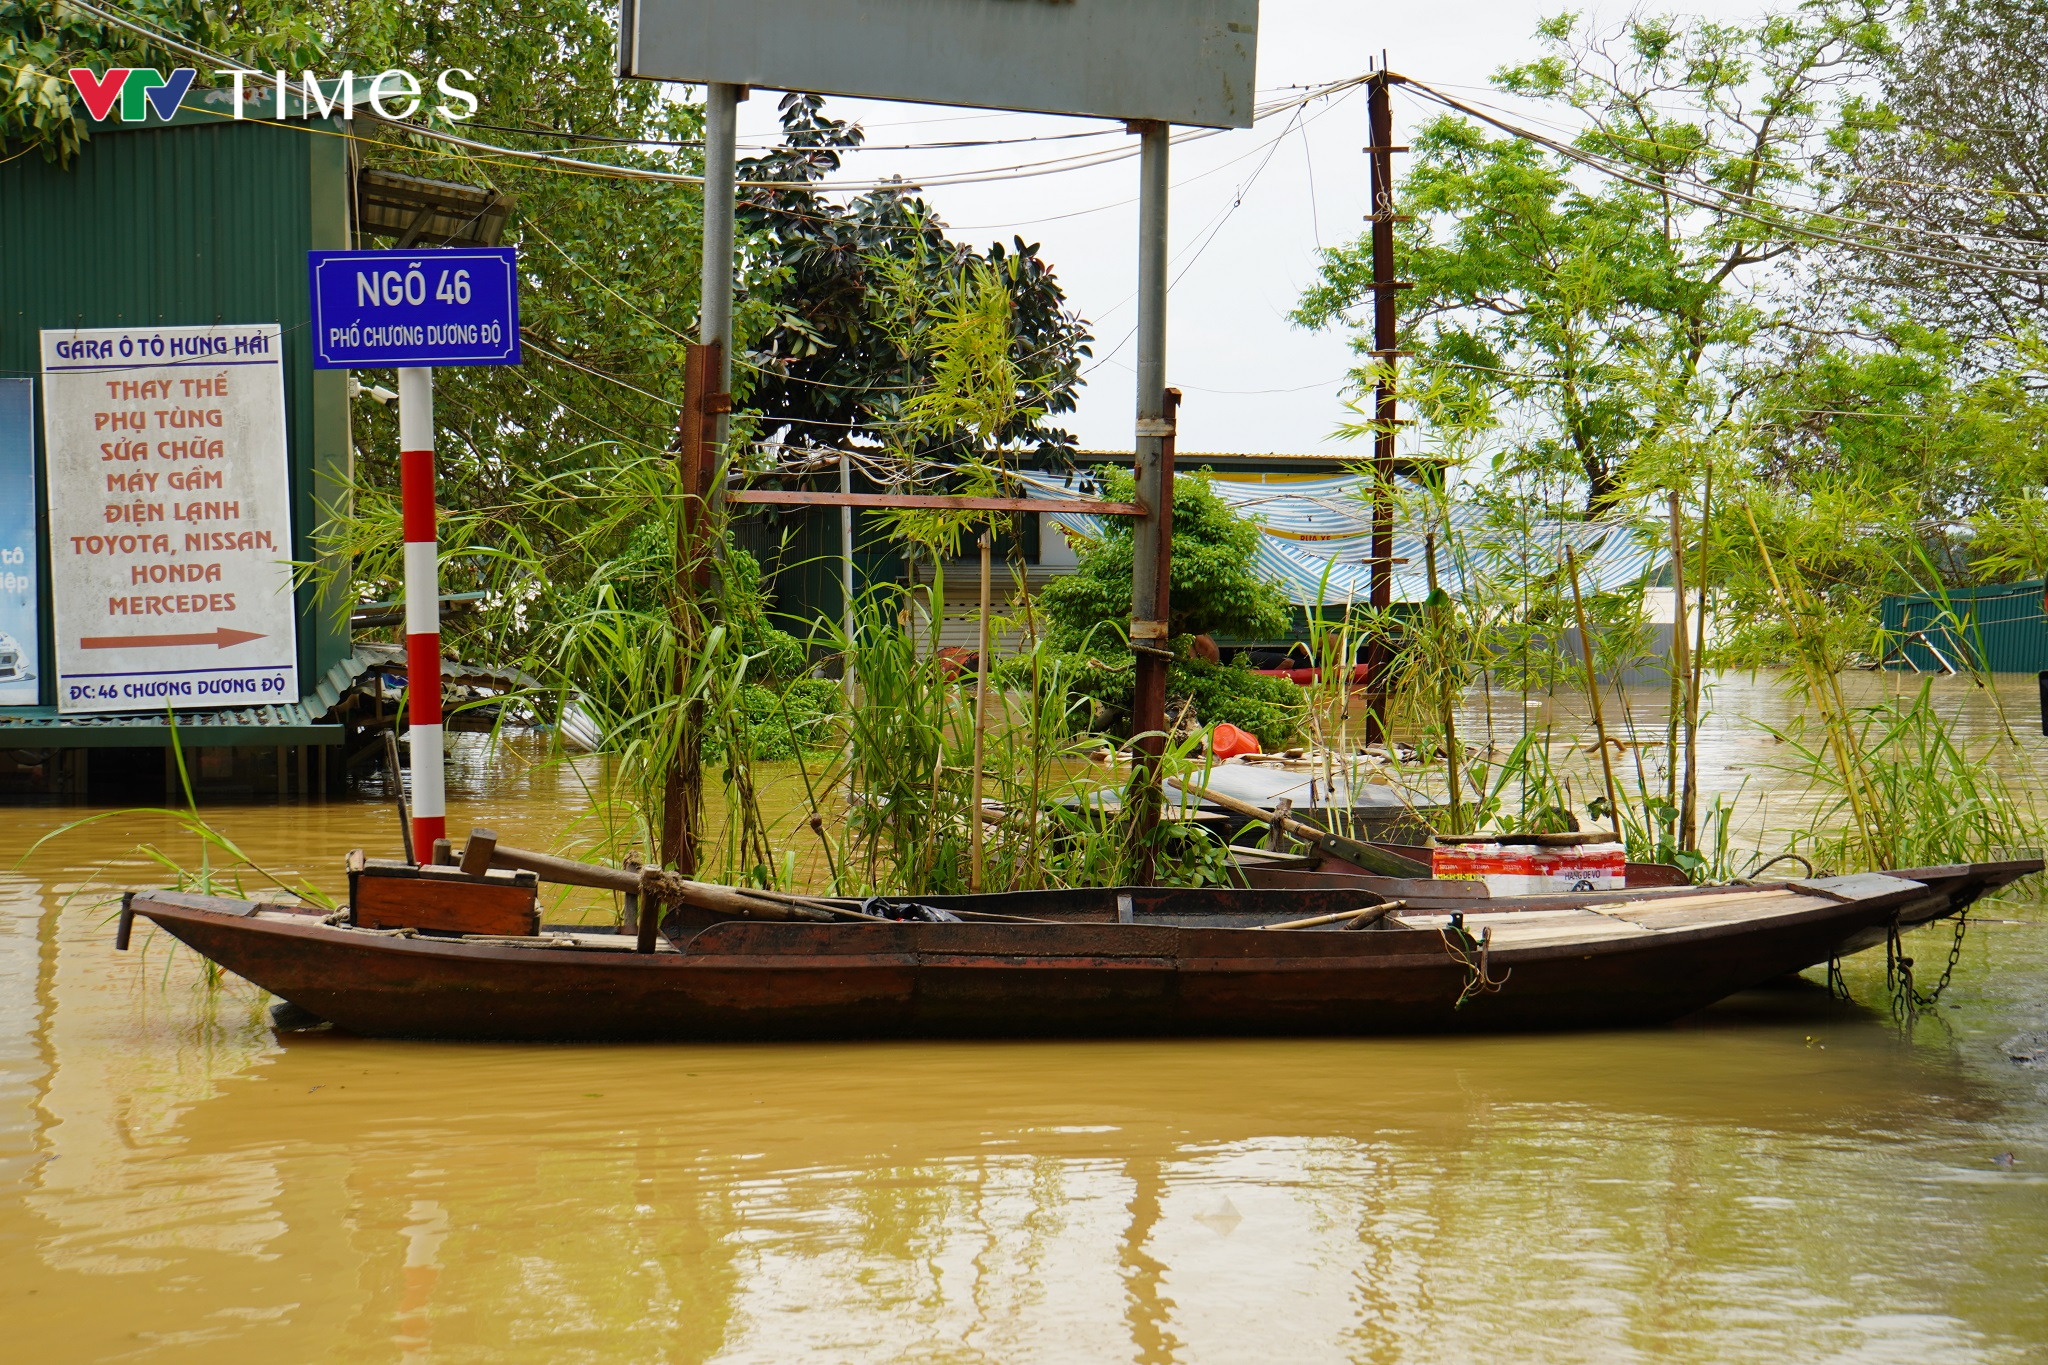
<point x="723" y="900"/>
<point x="651" y="883"/>
<point x="1350" y="850"/>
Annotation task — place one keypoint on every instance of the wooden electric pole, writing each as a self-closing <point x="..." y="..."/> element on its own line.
<point x="1386" y="331"/>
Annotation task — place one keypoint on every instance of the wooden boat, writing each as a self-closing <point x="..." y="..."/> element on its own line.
<point x="1132" y="961"/>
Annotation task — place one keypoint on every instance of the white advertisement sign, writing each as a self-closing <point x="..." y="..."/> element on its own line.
<point x="170" y="517"/>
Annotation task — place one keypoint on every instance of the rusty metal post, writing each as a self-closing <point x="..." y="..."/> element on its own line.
<point x="1386" y="329"/>
<point x="697" y="456"/>
<point x="1152" y="533"/>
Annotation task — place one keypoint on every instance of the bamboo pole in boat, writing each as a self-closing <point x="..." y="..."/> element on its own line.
<point x="1440" y="619"/>
<point x="1571" y="559"/>
<point x="975" y="870"/>
<point x="1681" y="653"/>
<point x="1689" y="804"/>
<point x="653" y="885"/>
<point x="1359" y="918"/>
<point x="1675" y="702"/>
<point x="397" y="783"/>
<point x="565" y="871"/>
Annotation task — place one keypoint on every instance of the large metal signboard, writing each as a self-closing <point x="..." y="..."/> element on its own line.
<point x="170" y="517"/>
<point x="19" y="639"/>
<point x="387" y="309"/>
<point x="1177" y="61"/>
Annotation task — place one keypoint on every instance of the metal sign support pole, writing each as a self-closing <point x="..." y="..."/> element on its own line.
<point x="422" y="604"/>
<point x="1153" y="528"/>
<point x="721" y="133"/>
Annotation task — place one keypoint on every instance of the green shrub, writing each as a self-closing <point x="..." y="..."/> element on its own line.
<point x="1215" y="588"/>
<point x="775" y="721"/>
<point x="1271" y="708"/>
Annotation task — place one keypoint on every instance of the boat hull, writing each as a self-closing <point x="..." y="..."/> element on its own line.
<point x="753" y="980"/>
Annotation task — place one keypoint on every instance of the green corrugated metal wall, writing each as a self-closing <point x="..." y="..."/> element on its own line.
<point x="202" y="220"/>
<point x="2000" y="623"/>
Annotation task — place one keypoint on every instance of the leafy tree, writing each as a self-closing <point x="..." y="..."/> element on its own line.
<point x="1957" y="175"/>
<point x="609" y="290"/>
<point x="41" y="40"/>
<point x="1895" y="467"/>
<point x="1215" y="589"/>
<point x="846" y="293"/>
<point x="1602" y="309"/>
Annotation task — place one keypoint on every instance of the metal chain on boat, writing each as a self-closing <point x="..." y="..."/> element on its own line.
<point x="1907" y="998"/>
<point x="1838" y="985"/>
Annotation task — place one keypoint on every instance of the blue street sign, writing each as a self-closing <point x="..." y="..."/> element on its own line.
<point x="445" y="306"/>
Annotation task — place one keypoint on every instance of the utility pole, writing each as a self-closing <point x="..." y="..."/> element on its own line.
<point x="1152" y="533"/>
<point x="1386" y="330"/>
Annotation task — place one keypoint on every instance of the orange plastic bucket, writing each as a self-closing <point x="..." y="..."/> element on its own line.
<point x="1227" y="741"/>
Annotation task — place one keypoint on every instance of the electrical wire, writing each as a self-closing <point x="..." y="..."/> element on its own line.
<point x="527" y="335"/>
<point x="697" y="144"/>
<point x="1017" y="171"/>
<point x="1607" y="168"/>
<point x="1237" y="200"/>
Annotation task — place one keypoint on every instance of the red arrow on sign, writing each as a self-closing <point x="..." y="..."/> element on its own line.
<point x="221" y="638"/>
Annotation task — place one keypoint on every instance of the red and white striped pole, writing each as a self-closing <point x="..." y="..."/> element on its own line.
<point x="422" y="607"/>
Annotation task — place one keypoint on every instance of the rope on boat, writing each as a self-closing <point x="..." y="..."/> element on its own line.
<point x="1758" y="870"/>
<point x="1477" y="981"/>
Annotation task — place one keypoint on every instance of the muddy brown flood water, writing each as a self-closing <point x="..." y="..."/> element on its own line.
<point x="1782" y="1178"/>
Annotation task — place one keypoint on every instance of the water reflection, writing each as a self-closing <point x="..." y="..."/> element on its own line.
<point x="1782" y="1178"/>
<point x="1710" y="1193"/>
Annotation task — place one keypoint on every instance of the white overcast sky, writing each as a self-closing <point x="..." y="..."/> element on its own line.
<point x="1253" y="381"/>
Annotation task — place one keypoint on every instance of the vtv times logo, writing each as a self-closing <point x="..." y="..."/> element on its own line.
<point x="138" y="88"/>
<point x="142" y="90"/>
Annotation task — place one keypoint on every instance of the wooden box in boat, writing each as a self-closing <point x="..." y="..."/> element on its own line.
<point x="397" y="895"/>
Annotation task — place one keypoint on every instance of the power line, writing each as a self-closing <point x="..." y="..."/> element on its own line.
<point x="1019" y="171"/>
<point x="1604" y="167"/>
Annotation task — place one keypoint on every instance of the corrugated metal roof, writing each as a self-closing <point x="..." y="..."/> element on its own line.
<point x="377" y="654"/>
<point x="1316" y="531"/>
